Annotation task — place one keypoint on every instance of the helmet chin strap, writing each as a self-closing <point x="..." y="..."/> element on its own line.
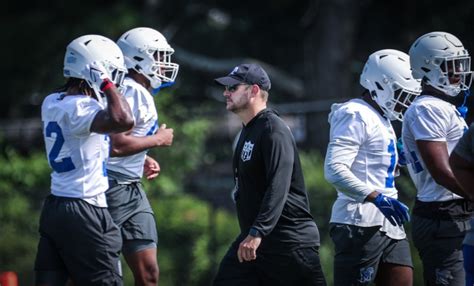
<point x="163" y="85"/>
<point x="463" y="109"/>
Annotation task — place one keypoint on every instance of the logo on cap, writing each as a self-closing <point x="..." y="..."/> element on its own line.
<point x="235" y="70"/>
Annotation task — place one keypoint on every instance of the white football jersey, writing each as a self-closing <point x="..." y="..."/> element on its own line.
<point x="431" y="119"/>
<point x="77" y="156"/>
<point x="363" y="141"/>
<point x="146" y="123"/>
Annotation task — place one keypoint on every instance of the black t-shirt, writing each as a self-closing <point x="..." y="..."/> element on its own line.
<point x="271" y="195"/>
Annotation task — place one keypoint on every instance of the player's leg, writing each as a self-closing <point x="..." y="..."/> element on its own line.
<point x="140" y="241"/>
<point x="132" y="212"/>
<point x="49" y="268"/>
<point x="358" y="251"/>
<point x="91" y="244"/>
<point x="396" y="267"/>
<point x="439" y="244"/>
<point x="394" y="275"/>
<point x="141" y="258"/>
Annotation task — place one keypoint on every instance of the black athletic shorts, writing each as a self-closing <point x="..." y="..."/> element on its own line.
<point x="80" y="241"/>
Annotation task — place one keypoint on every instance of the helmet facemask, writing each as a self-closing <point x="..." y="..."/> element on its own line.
<point x="455" y="74"/>
<point x="156" y="66"/>
<point x="395" y="102"/>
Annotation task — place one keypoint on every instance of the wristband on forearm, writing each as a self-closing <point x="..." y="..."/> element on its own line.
<point x="106" y="84"/>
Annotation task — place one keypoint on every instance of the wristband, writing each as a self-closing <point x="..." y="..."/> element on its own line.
<point x="106" y="84"/>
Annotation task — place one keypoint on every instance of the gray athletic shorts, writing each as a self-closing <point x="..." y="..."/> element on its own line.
<point x="78" y="240"/>
<point x="439" y="243"/>
<point x="360" y="250"/>
<point x="131" y="211"/>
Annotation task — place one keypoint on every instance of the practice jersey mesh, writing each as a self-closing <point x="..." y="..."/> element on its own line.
<point x="431" y="119"/>
<point x="76" y="155"/>
<point x="146" y="123"/>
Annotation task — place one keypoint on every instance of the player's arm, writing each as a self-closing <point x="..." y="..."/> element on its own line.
<point x="436" y="159"/>
<point x="117" y="117"/>
<point x="348" y="132"/>
<point x="464" y="172"/>
<point x="125" y="144"/>
<point x="461" y="161"/>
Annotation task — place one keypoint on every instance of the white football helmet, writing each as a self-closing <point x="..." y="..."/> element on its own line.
<point x="94" y="49"/>
<point x="388" y="78"/>
<point x="147" y="52"/>
<point x="440" y="59"/>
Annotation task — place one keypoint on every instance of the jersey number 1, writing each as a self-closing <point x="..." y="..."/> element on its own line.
<point x="390" y="178"/>
<point x="66" y="164"/>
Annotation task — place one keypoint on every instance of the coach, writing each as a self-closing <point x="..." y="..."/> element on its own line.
<point x="279" y="240"/>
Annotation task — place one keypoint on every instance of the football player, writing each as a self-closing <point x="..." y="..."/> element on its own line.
<point x="78" y="238"/>
<point x="148" y="60"/>
<point x="367" y="219"/>
<point x="431" y="129"/>
<point x="461" y="161"/>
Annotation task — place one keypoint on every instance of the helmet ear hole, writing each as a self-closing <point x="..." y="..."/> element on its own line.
<point x="378" y="85"/>
<point x="373" y="94"/>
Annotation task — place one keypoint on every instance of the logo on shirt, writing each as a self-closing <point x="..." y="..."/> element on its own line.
<point x="247" y="151"/>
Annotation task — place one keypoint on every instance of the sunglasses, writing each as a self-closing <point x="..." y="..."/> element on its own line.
<point x="233" y="88"/>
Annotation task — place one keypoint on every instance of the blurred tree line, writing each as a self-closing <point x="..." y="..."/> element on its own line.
<point x="313" y="50"/>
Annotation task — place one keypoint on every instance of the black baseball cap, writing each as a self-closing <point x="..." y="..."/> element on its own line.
<point x="246" y="73"/>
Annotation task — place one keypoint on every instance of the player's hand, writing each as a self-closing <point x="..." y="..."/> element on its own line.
<point x="248" y="248"/>
<point x="395" y="211"/>
<point x="151" y="168"/>
<point x="164" y="136"/>
<point x="95" y="72"/>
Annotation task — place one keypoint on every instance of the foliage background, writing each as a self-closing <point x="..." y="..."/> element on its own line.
<point x="313" y="49"/>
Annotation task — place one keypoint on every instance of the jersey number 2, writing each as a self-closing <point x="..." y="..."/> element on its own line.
<point x="65" y="164"/>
